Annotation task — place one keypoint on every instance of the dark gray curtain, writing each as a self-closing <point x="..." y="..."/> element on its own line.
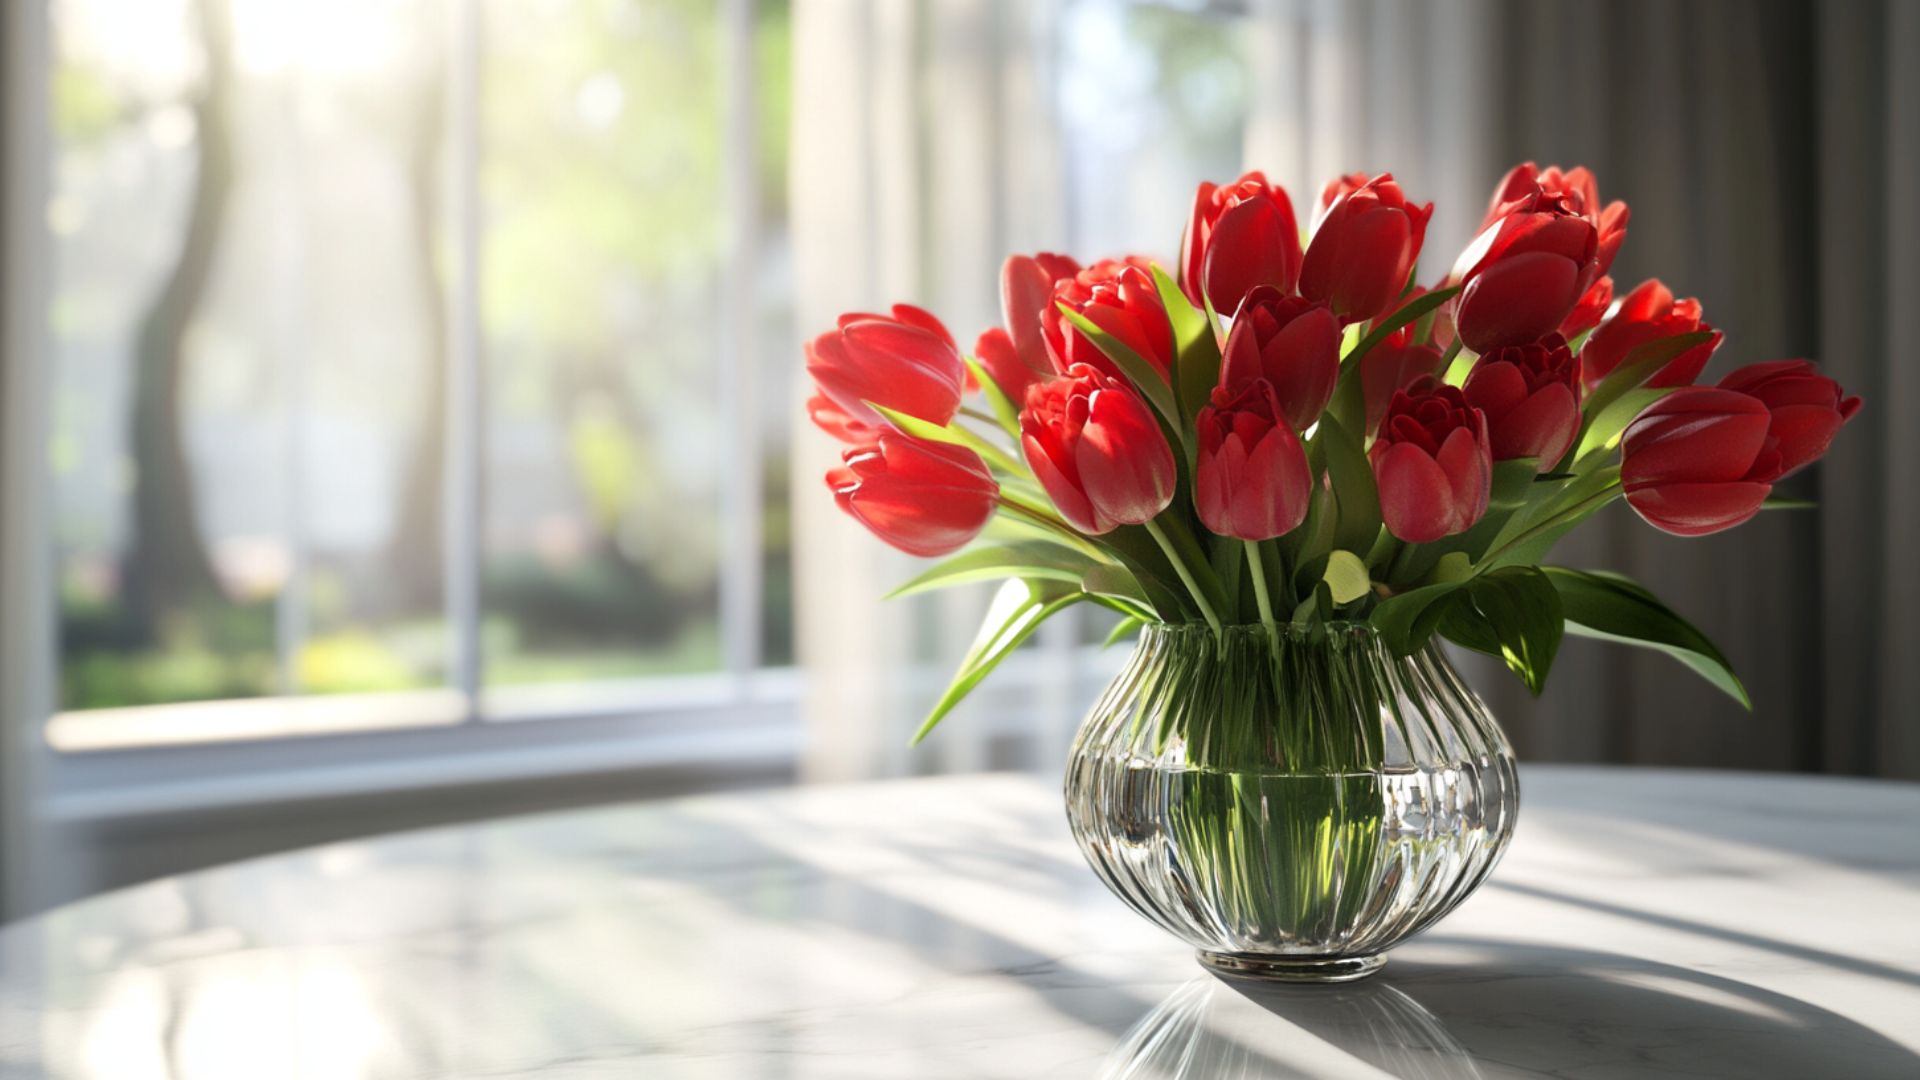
<point x="1769" y="153"/>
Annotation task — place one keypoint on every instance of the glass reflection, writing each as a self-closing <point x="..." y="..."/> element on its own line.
<point x="1221" y="1030"/>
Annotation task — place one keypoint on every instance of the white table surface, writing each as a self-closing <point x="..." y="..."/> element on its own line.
<point x="1644" y="923"/>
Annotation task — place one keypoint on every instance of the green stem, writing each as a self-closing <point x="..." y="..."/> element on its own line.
<point x="972" y="413"/>
<point x="1035" y="516"/>
<point x="1186" y="575"/>
<point x="1602" y="496"/>
<point x="1260" y="586"/>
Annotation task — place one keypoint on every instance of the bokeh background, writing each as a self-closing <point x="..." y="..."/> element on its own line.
<point x="400" y="396"/>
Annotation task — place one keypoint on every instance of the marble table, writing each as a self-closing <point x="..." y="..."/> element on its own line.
<point x="1644" y="923"/>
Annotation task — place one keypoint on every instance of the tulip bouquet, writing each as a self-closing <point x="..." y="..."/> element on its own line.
<point x="1281" y="430"/>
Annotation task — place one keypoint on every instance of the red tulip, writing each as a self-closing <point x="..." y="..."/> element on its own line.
<point x="1252" y="480"/>
<point x="1432" y="463"/>
<point x="1363" y="249"/>
<point x="1531" y="397"/>
<point x="1589" y="311"/>
<point x="1647" y="314"/>
<point x="925" y="498"/>
<point x="1527" y="184"/>
<point x="1117" y="296"/>
<point x="1238" y="237"/>
<point x="1544" y="243"/>
<point x="906" y="362"/>
<point x="1806" y="409"/>
<point x="1095" y="447"/>
<point x="1027" y="285"/>
<point x="1697" y="460"/>
<point x="1290" y="342"/>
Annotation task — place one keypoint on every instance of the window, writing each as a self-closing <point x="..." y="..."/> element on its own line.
<point x="403" y="360"/>
<point x="427" y="365"/>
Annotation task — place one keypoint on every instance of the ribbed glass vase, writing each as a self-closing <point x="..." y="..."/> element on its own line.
<point x="1294" y="803"/>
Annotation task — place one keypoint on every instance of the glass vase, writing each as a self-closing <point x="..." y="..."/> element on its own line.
<point x="1291" y="803"/>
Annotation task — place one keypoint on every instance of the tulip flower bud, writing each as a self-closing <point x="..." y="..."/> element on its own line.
<point x="1095" y="447"/>
<point x="1290" y="342"/>
<point x="925" y="498"/>
<point x="1531" y="397"/>
<point x="1544" y="243"/>
<point x="1363" y="249"/>
<point x="1252" y="480"/>
<point x="1431" y="462"/>
<point x="1119" y="297"/>
<point x="1806" y="409"/>
<point x="1648" y="313"/>
<point x="1697" y="460"/>
<point x="906" y="362"/>
<point x="1527" y="186"/>
<point x="1238" y="237"/>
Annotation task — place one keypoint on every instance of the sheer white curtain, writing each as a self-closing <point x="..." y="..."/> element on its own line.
<point x="924" y="150"/>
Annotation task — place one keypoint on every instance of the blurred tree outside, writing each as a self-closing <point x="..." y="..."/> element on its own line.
<point x="602" y="165"/>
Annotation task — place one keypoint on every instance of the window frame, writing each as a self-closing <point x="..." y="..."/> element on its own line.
<point x="472" y="733"/>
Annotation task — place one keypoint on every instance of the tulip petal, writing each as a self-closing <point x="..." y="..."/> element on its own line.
<point x="1125" y="465"/>
<point x="1517" y="300"/>
<point x="1416" y="500"/>
<point x="1253" y="243"/>
<point x="1063" y="488"/>
<point x="1688" y="509"/>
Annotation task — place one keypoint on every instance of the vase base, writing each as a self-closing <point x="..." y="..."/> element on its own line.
<point x="1300" y="969"/>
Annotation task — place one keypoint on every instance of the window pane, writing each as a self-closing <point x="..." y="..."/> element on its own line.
<point x="602" y="260"/>
<point x="246" y="331"/>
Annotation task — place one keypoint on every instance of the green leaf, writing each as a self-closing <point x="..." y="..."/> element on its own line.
<point x="1106" y="579"/>
<point x="1604" y="429"/>
<point x="1145" y="377"/>
<point x="1317" y="607"/>
<point x="1196" y="367"/>
<point x="1513" y="482"/>
<point x="1514" y="614"/>
<point x="1528" y="536"/>
<point x="1611" y="607"/>
<point x="1346" y="576"/>
<point x="1409" y="313"/>
<point x="1136" y="548"/>
<point x="1454" y="566"/>
<point x="953" y="435"/>
<point x="1406" y="620"/>
<point x="1121" y="630"/>
<point x="1352" y="480"/>
<point x="1314" y="537"/>
<point x="1049" y="562"/>
<point x="1016" y="611"/>
<point x="1004" y="409"/>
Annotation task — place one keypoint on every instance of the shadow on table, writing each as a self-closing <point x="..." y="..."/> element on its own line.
<point x="1509" y="1010"/>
